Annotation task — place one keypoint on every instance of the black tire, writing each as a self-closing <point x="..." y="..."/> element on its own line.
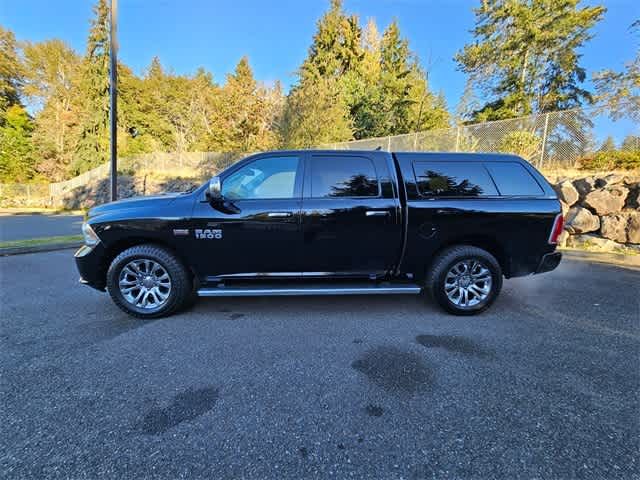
<point x="448" y="259"/>
<point x="181" y="283"/>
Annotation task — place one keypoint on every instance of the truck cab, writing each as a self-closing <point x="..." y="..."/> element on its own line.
<point x="320" y="222"/>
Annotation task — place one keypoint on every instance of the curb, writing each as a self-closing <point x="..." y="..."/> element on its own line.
<point x="49" y="247"/>
<point x="609" y="258"/>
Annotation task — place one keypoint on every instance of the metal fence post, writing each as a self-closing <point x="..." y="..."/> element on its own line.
<point x="415" y="142"/>
<point x="389" y="143"/>
<point x="544" y="139"/>
<point x="457" y="138"/>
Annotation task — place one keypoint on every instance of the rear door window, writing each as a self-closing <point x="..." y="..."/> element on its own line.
<point x="453" y="179"/>
<point x="343" y="176"/>
<point x="512" y="178"/>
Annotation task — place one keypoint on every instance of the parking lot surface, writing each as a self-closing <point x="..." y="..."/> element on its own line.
<point x="544" y="385"/>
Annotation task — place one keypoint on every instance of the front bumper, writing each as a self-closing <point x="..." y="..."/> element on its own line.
<point x="91" y="265"/>
<point x="549" y="262"/>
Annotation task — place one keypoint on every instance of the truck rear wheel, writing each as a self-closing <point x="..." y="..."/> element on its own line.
<point x="148" y="281"/>
<point x="464" y="280"/>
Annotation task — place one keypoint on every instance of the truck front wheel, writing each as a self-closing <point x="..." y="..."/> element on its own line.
<point x="464" y="280"/>
<point x="148" y="281"/>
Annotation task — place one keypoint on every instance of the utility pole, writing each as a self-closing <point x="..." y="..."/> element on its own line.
<point x="544" y="140"/>
<point x="113" y="98"/>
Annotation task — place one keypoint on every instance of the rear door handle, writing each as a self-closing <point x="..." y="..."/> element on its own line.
<point x="377" y="213"/>
<point x="279" y="214"/>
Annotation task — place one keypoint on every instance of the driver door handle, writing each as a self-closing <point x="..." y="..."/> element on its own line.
<point x="377" y="213"/>
<point x="279" y="214"/>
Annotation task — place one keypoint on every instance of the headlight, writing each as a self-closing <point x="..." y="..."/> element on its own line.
<point x="90" y="237"/>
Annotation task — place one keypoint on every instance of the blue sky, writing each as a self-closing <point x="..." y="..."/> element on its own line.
<point x="275" y="34"/>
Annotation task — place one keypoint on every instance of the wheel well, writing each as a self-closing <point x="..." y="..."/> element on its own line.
<point x="489" y="244"/>
<point x="121" y="245"/>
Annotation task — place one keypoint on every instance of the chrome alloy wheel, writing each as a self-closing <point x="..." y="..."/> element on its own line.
<point x="145" y="283"/>
<point x="468" y="283"/>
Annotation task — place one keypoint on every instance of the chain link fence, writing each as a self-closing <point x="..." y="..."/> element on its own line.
<point x="549" y="140"/>
<point x="556" y="139"/>
<point x="196" y="165"/>
<point x="187" y="164"/>
<point x="24" y="194"/>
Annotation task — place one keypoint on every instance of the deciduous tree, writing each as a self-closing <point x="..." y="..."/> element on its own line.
<point x="17" y="161"/>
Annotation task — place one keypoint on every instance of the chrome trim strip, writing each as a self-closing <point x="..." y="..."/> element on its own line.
<point x="270" y="292"/>
<point x="230" y="276"/>
<point x="253" y="275"/>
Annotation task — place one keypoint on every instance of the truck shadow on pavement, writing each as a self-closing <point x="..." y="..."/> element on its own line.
<point x="239" y="307"/>
<point x="102" y="329"/>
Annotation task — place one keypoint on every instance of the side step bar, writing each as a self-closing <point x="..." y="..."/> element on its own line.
<point x="270" y="291"/>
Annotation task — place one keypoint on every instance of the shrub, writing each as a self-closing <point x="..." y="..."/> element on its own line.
<point x="614" y="160"/>
<point x="523" y="143"/>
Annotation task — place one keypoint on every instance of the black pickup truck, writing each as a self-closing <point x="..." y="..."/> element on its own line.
<point x="329" y="223"/>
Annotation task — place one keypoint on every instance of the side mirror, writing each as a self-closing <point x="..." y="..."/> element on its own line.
<point x="214" y="192"/>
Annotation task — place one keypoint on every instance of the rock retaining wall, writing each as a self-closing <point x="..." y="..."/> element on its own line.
<point x="601" y="211"/>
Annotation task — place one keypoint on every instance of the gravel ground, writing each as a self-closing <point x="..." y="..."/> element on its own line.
<point x="544" y="385"/>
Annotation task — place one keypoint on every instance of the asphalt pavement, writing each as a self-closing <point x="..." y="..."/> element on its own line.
<point x="546" y="384"/>
<point x="25" y="226"/>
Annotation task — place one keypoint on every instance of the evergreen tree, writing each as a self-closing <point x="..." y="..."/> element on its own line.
<point x="364" y="95"/>
<point x="336" y="48"/>
<point x="406" y="105"/>
<point x="525" y="55"/>
<point x="468" y="104"/>
<point x="153" y="105"/>
<point x="359" y="84"/>
<point x="630" y="143"/>
<point x="317" y="110"/>
<point x="396" y="81"/>
<point x="93" y="143"/>
<point x="620" y="91"/>
<point x="316" y="113"/>
<point x="609" y="145"/>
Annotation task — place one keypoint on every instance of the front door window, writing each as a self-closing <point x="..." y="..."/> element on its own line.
<point x="266" y="178"/>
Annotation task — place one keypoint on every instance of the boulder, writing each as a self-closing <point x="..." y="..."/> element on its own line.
<point x="614" y="178"/>
<point x="584" y="186"/>
<point x="606" y="201"/>
<point x="565" y="208"/>
<point x="562" y="239"/>
<point x="593" y="241"/>
<point x="581" y="220"/>
<point x="567" y="193"/>
<point x="633" y="199"/>
<point x="614" y="227"/>
<point x="608" y="180"/>
<point x="633" y="227"/>
<point x="631" y="180"/>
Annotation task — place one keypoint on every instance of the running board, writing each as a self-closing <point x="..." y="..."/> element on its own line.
<point x="271" y="291"/>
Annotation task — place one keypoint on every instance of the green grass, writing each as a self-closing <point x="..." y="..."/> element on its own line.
<point x="36" y="242"/>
